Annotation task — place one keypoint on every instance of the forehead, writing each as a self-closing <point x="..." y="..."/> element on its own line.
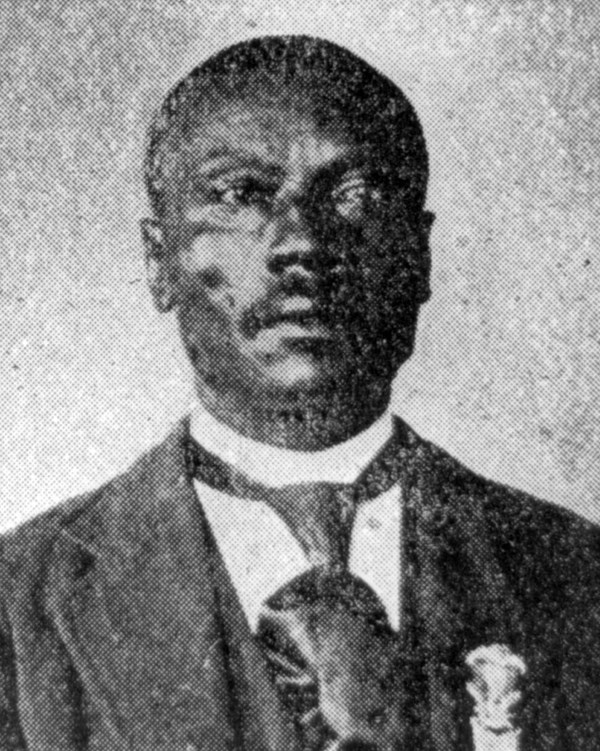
<point x="281" y="130"/>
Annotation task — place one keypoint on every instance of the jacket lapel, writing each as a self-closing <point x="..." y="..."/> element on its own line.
<point x="136" y="600"/>
<point x="456" y="597"/>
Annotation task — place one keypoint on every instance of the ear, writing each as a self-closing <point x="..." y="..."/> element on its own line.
<point x="158" y="266"/>
<point x="424" y="291"/>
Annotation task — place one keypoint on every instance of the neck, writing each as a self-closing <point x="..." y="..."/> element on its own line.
<point x="300" y="423"/>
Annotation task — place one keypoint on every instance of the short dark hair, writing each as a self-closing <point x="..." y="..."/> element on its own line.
<point x="337" y="81"/>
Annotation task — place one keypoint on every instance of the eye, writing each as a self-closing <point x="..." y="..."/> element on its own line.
<point x="355" y="197"/>
<point x="245" y="192"/>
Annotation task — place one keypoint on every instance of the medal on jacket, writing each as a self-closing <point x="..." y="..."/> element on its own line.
<point x="496" y="675"/>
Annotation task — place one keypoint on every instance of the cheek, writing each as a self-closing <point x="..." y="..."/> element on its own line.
<point x="225" y="268"/>
<point x="383" y="255"/>
<point x="204" y="318"/>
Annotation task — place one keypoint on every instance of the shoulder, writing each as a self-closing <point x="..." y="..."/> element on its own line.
<point x="534" y="538"/>
<point x="450" y="477"/>
<point x="26" y="550"/>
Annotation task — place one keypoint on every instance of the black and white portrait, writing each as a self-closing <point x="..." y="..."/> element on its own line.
<point x="299" y="376"/>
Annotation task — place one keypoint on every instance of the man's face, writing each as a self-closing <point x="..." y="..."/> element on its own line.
<point x="288" y="254"/>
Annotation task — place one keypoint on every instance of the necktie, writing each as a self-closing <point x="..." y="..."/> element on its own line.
<point x="329" y="646"/>
<point x="334" y="659"/>
<point x="325" y="635"/>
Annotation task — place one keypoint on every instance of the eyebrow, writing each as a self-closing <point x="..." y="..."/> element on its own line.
<point x="220" y="160"/>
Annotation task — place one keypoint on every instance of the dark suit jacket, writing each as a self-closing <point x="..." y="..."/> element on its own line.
<point x="120" y="628"/>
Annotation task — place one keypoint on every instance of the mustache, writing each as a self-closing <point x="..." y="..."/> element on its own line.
<point x="278" y="305"/>
<point x="339" y="301"/>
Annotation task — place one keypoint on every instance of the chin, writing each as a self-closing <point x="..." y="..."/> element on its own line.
<point x="301" y="375"/>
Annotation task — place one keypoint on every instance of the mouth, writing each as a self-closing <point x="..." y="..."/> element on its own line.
<point x="295" y="311"/>
<point x="294" y="321"/>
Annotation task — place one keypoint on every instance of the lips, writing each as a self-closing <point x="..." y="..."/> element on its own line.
<point x="292" y="322"/>
<point x="295" y="310"/>
<point x="293" y="317"/>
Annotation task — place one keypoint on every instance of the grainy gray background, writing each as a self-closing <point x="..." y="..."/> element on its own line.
<point x="508" y="361"/>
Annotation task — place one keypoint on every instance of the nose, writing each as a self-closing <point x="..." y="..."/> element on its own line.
<point x="292" y="241"/>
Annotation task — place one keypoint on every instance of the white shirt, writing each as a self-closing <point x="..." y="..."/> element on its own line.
<point x="260" y="552"/>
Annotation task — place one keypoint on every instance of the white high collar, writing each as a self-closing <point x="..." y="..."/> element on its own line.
<point x="275" y="467"/>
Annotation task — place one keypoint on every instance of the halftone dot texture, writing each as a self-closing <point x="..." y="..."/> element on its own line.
<point x="120" y="602"/>
<point x="505" y="370"/>
<point x="119" y="626"/>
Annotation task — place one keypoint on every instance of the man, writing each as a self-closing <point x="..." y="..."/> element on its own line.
<point x="293" y="568"/>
